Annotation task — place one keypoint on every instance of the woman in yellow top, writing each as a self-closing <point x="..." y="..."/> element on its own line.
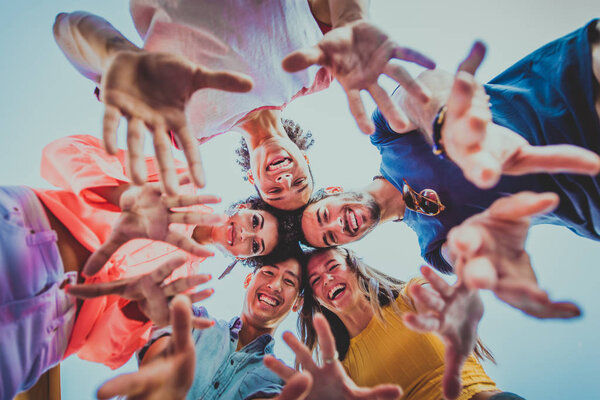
<point x="364" y="308"/>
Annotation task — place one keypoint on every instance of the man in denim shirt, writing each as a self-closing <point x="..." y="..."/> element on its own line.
<point x="229" y="355"/>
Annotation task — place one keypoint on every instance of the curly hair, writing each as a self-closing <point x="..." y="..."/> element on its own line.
<point x="303" y="139"/>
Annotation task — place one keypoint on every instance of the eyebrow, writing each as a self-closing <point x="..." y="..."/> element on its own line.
<point x="303" y="188"/>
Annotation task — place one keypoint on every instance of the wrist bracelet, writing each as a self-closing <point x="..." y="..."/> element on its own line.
<point x="438" y="123"/>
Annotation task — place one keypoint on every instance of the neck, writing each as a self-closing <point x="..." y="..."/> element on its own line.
<point x="358" y="317"/>
<point x="260" y="126"/>
<point x="390" y="200"/>
<point x="251" y="331"/>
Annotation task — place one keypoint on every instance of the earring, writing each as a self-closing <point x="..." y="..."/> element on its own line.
<point x="306" y="158"/>
<point x="334" y="189"/>
<point x="250" y="177"/>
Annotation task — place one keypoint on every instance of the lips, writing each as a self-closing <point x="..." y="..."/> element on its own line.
<point x="279" y="163"/>
<point x="336" y="291"/>
<point x="230" y="234"/>
<point x="268" y="300"/>
<point x="352" y="222"/>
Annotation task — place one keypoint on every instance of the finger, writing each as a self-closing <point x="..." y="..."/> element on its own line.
<point x="357" y="109"/>
<point x="181" y="320"/>
<point x="397" y="119"/>
<point x="479" y="273"/>
<point x="380" y="392"/>
<point x="554" y="159"/>
<point x="466" y="240"/>
<point x="135" y="147"/>
<point x="302" y="59"/>
<point x="187" y="244"/>
<point x="436" y="281"/>
<point x="530" y="299"/>
<point x="279" y="368"/>
<point x="166" y="164"/>
<point x="427" y="298"/>
<point x="110" y="123"/>
<point x="523" y="204"/>
<point x="202" y="323"/>
<point x="201" y="295"/>
<point x="166" y="268"/>
<point x="297" y="388"/>
<point x="189" y="200"/>
<point x="410" y="55"/>
<point x="191" y="150"/>
<point x="422" y="322"/>
<point x="303" y="355"/>
<point x="101" y="256"/>
<point x="461" y="97"/>
<point x="195" y="218"/>
<point x="474" y="59"/>
<point x="223" y="80"/>
<point x="182" y="284"/>
<point x="412" y="86"/>
<point x="89" y="291"/>
<point x="326" y="339"/>
<point x="452" y="379"/>
<point x="482" y="169"/>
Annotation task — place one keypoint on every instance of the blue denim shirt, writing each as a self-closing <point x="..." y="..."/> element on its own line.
<point x="222" y="372"/>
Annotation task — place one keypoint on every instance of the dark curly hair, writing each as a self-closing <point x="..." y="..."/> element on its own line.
<point x="303" y="139"/>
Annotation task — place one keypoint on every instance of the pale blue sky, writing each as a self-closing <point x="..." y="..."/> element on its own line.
<point x="43" y="98"/>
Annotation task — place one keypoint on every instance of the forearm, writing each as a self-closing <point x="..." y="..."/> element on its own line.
<point x="422" y="114"/>
<point x="89" y="42"/>
<point x="345" y="11"/>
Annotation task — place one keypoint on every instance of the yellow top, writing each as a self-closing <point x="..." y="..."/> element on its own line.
<point x="389" y="352"/>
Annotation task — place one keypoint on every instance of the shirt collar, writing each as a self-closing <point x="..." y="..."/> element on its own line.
<point x="263" y="344"/>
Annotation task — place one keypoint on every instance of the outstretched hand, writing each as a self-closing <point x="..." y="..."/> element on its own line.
<point x="150" y="293"/>
<point x="146" y="214"/>
<point x="454" y="313"/>
<point x="330" y="380"/>
<point x="484" y="150"/>
<point x="168" y="377"/>
<point x="356" y="54"/>
<point x="151" y="91"/>
<point x="488" y="253"/>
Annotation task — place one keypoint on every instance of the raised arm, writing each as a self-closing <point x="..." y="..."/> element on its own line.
<point x="154" y="100"/>
<point x="89" y="41"/>
<point x="482" y="149"/>
<point x="356" y="52"/>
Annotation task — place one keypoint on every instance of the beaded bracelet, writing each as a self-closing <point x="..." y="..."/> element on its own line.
<point x="438" y="123"/>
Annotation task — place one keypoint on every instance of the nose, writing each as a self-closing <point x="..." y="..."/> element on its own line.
<point x="245" y="234"/>
<point x="274" y="285"/>
<point x="285" y="179"/>
<point x="335" y="224"/>
<point x="328" y="278"/>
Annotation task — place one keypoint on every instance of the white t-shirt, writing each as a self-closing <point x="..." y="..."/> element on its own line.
<point x="249" y="36"/>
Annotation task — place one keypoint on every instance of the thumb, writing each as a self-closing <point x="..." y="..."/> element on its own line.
<point x="302" y="59"/>
<point x="223" y="80"/>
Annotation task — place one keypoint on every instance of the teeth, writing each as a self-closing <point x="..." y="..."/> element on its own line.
<point x="333" y="292"/>
<point x="353" y="222"/>
<point x="268" y="300"/>
<point x="277" y="165"/>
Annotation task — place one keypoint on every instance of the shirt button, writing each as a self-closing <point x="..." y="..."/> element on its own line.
<point x="231" y="361"/>
<point x="216" y="385"/>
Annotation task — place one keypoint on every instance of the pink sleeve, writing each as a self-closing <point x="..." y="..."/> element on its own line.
<point x="78" y="163"/>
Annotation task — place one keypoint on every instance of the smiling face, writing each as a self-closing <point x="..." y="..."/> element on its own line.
<point x="272" y="293"/>
<point x="339" y="219"/>
<point x="333" y="283"/>
<point x="281" y="174"/>
<point x="247" y="233"/>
